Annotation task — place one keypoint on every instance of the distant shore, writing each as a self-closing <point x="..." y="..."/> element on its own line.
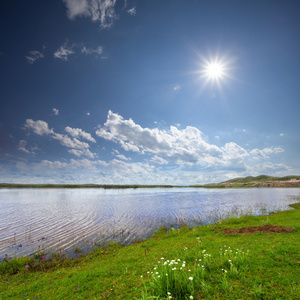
<point x="77" y="186"/>
<point x="244" y="182"/>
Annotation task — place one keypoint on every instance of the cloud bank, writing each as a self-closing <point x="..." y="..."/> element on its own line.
<point x="153" y="156"/>
<point x="181" y="147"/>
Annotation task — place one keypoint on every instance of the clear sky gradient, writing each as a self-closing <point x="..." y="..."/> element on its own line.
<point x="122" y="92"/>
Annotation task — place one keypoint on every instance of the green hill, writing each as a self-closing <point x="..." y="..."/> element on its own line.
<point x="261" y="178"/>
<point x="258" y="181"/>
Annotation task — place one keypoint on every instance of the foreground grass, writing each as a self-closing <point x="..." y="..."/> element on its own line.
<point x="266" y="266"/>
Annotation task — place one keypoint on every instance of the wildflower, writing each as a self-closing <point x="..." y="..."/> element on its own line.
<point x="162" y="258"/>
<point x="169" y="293"/>
<point x="141" y="276"/>
<point x="190" y="278"/>
<point x="44" y="257"/>
<point x="224" y="270"/>
<point x="27" y="266"/>
<point x="191" y="297"/>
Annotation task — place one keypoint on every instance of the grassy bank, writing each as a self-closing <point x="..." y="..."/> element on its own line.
<point x="201" y="263"/>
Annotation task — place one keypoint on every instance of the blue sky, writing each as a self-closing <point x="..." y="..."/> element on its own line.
<point x="123" y="92"/>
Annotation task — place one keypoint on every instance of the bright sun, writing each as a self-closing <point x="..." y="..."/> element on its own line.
<point x="214" y="71"/>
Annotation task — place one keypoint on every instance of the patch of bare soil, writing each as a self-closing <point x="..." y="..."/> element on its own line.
<point x="256" y="229"/>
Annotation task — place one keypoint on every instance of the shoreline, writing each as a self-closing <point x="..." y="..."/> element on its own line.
<point x="129" y="272"/>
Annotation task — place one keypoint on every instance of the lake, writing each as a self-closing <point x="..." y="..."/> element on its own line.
<point x="32" y="219"/>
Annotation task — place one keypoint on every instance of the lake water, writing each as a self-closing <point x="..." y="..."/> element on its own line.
<point x="32" y="219"/>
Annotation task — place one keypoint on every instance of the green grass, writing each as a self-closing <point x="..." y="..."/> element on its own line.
<point x="266" y="266"/>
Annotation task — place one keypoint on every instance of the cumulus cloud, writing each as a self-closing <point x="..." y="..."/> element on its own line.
<point x="34" y="56"/>
<point x="264" y="153"/>
<point x="102" y="11"/>
<point x="39" y="127"/>
<point x="55" y="111"/>
<point x="184" y="147"/>
<point x="77" y="132"/>
<point x="63" y="52"/>
<point x="78" y="147"/>
<point x="70" y="142"/>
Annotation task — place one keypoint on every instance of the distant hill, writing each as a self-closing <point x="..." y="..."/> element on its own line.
<point x="258" y="181"/>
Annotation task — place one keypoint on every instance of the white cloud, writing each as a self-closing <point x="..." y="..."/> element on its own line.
<point x="132" y="11"/>
<point x="70" y="142"/>
<point x="39" y="127"/>
<point x="264" y="153"/>
<point x="22" y="146"/>
<point x="281" y="134"/>
<point x="98" y="50"/>
<point x="158" y="160"/>
<point x="77" y="132"/>
<point x="183" y="147"/>
<point x="270" y="168"/>
<point x="78" y="147"/>
<point x="84" y="152"/>
<point x="63" y="52"/>
<point x="119" y="155"/>
<point x="55" y="111"/>
<point x="233" y="151"/>
<point x="34" y="56"/>
<point x="102" y="11"/>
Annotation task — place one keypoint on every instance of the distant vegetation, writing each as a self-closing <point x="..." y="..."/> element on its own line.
<point x="259" y="181"/>
<point x="78" y="186"/>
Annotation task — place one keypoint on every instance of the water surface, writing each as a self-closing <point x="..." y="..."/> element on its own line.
<point x="32" y="219"/>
